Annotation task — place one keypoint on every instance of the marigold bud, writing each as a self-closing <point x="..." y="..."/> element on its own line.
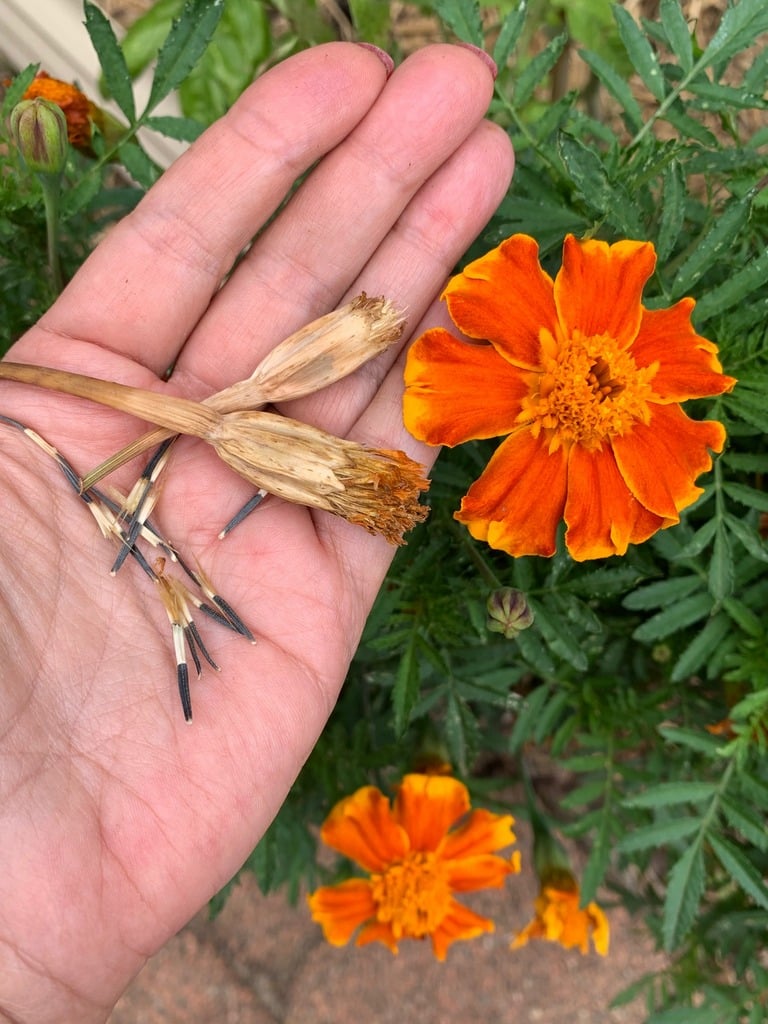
<point x="39" y="129"/>
<point x="508" y="612"/>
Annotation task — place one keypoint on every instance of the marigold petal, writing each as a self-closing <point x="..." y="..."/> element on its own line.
<point x="340" y="909"/>
<point x="518" y="501"/>
<point x="661" y="459"/>
<point x="601" y="933"/>
<point x="599" y="287"/>
<point x="362" y="827"/>
<point x="688" y="366"/>
<point x="482" y="832"/>
<point x="506" y="298"/>
<point x="377" y="931"/>
<point x="483" y="871"/>
<point x="459" y="923"/>
<point x="427" y="805"/>
<point x="456" y="391"/>
<point x="602" y="514"/>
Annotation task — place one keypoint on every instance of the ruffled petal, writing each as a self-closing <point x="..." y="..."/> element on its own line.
<point x="377" y="931"/>
<point x="688" y="366"/>
<point x="661" y="459"/>
<point x="601" y="934"/>
<point x="427" y="805"/>
<point x="518" y="501"/>
<point x="363" y="828"/>
<point x="482" y="832"/>
<point x="506" y="298"/>
<point x="459" y="923"/>
<point x="456" y="391"/>
<point x="602" y="514"/>
<point x="599" y="287"/>
<point x="485" y="871"/>
<point x="340" y="909"/>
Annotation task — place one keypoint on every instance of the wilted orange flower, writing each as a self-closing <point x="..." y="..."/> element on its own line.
<point x="558" y="917"/>
<point x="77" y="108"/>
<point x="587" y="384"/>
<point x="418" y="853"/>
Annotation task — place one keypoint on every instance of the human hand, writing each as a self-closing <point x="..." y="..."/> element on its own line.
<point x="118" y="820"/>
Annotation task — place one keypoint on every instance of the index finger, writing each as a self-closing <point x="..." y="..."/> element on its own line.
<point x="157" y="270"/>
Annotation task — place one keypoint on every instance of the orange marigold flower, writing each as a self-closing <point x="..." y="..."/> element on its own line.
<point x="77" y="108"/>
<point x="418" y="852"/>
<point x="587" y="384"/>
<point x="559" y="918"/>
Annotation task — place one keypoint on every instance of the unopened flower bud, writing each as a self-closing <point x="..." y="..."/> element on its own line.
<point x="508" y="612"/>
<point x="39" y="129"/>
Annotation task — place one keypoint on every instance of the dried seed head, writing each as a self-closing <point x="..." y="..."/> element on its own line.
<point x="374" y="488"/>
<point x="321" y="353"/>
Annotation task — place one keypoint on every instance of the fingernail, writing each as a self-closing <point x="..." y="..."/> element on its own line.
<point x="486" y="58"/>
<point x="383" y="56"/>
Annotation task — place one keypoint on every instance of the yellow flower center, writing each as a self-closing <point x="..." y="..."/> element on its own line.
<point x="587" y="390"/>
<point x="412" y="895"/>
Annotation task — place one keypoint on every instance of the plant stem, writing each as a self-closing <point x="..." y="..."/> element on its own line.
<point x="51" y="192"/>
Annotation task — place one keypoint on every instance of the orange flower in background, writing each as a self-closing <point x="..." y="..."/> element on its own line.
<point x="558" y="917"/>
<point x="418" y="852"/>
<point x="586" y="384"/>
<point x="80" y="112"/>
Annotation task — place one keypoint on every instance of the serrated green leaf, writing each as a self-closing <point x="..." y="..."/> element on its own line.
<point x="748" y="496"/>
<point x="184" y="129"/>
<point x="722" y="98"/>
<point x="721" y="568"/>
<point x="528" y="714"/>
<point x="755" y="789"/>
<point x="661" y="593"/>
<point x="599" y="859"/>
<point x="677" y="31"/>
<point x="144" y="37"/>
<point x="714" y="244"/>
<point x="744" y="617"/>
<point x="699" y="741"/>
<point x="701" y="539"/>
<point x="668" y="794"/>
<point x="558" y="634"/>
<point x="686" y="885"/>
<point x="752" y="826"/>
<point x="701" y="648"/>
<point x="617" y="86"/>
<point x="535" y="653"/>
<point x="183" y="47"/>
<point x="509" y="34"/>
<point x="550" y="716"/>
<point x="583" y="795"/>
<point x="608" y="582"/>
<point x="675" y="618"/>
<point x="741" y="869"/>
<point x="672" y="210"/>
<point x="405" y="691"/>
<point x="139" y="165"/>
<point x="640" y="52"/>
<point x="739" y="27"/>
<point x="688" y="127"/>
<point x="747" y="537"/>
<point x="740" y="285"/>
<point x="16" y="90"/>
<point x="535" y="71"/>
<point x="463" y="19"/>
<point x="607" y="198"/>
<point x="111" y="59"/>
<point x="461" y="733"/>
<point x="660" y="833"/>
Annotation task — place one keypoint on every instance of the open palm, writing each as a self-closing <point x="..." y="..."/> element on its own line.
<point x="118" y="820"/>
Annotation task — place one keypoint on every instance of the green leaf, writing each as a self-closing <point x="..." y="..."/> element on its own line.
<point x="714" y="244"/>
<point x="675" y="618"/>
<point x="463" y="19"/>
<point x="701" y="648"/>
<point x="509" y="34"/>
<point x="747" y="537"/>
<point x="668" y="794"/>
<point x="599" y="858"/>
<point x="16" y="90"/>
<point x="111" y="59"/>
<point x="740" y="285"/>
<point x="661" y="593"/>
<point x="617" y="86"/>
<point x="140" y="166"/>
<point x="744" y="820"/>
<point x="143" y="39"/>
<point x="640" y="52"/>
<point x="672" y="210"/>
<point x="461" y="733"/>
<point x="739" y="27"/>
<point x="528" y="713"/>
<point x="185" y="129"/>
<point x="741" y="869"/>
<point x="183" y="47"/>
<point x="533" y="73"/>
<point x="660" y="833"/>
<point x="701" y="742"/>
<point x="558" y="635"/>
<point x="677" y="32"/>
<point x="587" y="172"/>
<point x="748" y="496"/>
<point x="686" y="885"/>
<point x="405" y="691"/>
<point x="722" y="98"/>
<point x="371" y="19"/>
<point x="721" y="569"/>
